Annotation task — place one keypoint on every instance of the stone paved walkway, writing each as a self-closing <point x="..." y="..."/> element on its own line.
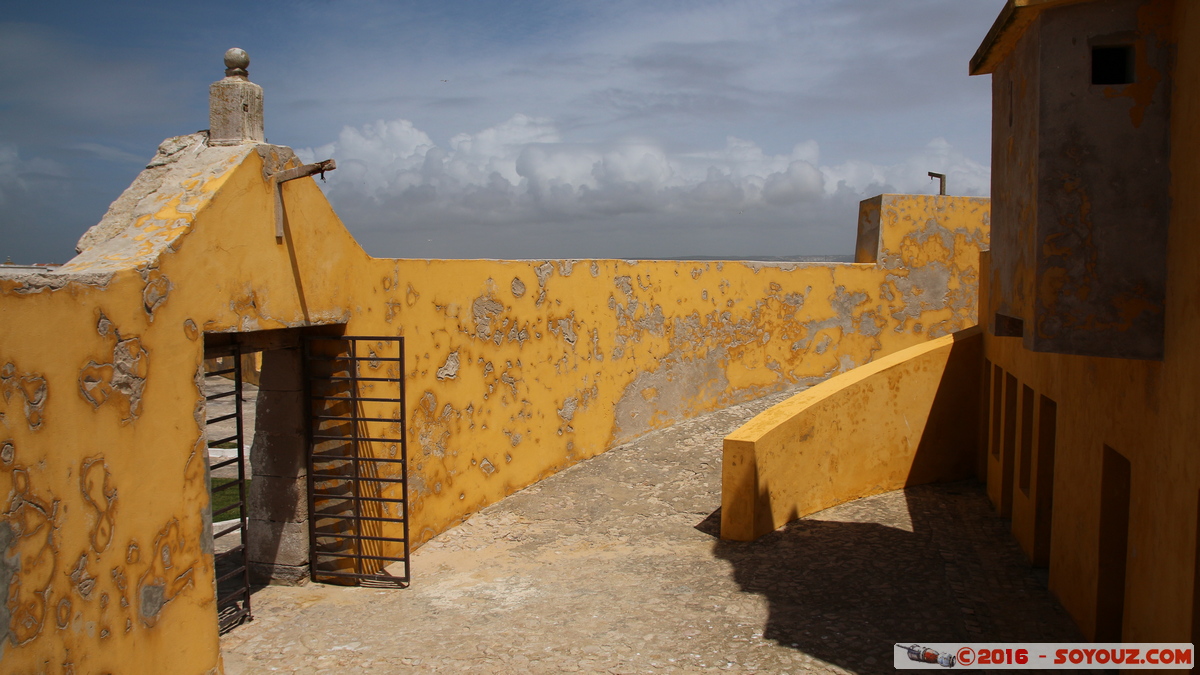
<point x="613" y="566"/>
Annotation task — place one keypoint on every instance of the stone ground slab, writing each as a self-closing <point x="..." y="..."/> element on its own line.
<point x="613" y="566"/>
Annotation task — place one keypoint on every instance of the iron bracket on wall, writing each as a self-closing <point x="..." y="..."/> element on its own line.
<point x="281" y="177"/>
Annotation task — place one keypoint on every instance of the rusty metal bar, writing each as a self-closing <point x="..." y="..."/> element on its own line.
<point x="281" y="177"/>
<point x="333" y="458"/>
<point x="230" y="610"/>
<point x="381" y="359"/>
<point x="361" y="379"/>
<point x="337" y="522"/>
<point x="365" y="439"/>
<point x="356" y="478"/>
<point x="358" y="519"/>
<point x="941" y="177"/>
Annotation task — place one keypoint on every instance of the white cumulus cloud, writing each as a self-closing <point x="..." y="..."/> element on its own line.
<point x="393" y="180"/>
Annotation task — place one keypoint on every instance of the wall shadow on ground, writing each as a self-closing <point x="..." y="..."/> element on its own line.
<point x="846" y="592"/>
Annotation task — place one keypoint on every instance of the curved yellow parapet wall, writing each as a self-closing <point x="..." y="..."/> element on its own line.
<point x="905" y="419"/>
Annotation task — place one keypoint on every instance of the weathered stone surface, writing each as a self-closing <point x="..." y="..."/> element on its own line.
<point x="278" y="575"/>
<point x="279" y="499"/>
<point x="282" y="370"/>
<point x="278" y="543"/>
<point x="281" y="412"/>
<point x="235" y="112"/>
<point x="612" y="566"/>
<point x="282" y="455"/>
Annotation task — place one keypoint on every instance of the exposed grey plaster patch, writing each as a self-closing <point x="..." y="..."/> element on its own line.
<point x="845" y="363"/>
<point x="652" y="322"/>
<point x="678" y="383"/>
<point x="596" y="353"/>
<point x="153" y="597"/>
<point x="81" y="581"/>
<point x="842" y="302"/>
<point x="104" y="327"/>
<point x="625" y="283"/>
<point x="487" y="467"/>
<point x="845" y="303"/>
<point x="823" y="344"/>
<point x="543" y="273"/>
<point x="391" y="309"/>
<point x="940" y="329"/>
<point x="8" y="452"/>
<point x="449" y="369"/>
<point x="921" y="289"/>
<point x="155" y="291"/>
<point x="871" y="324"/>
<point x="32" y="387"/>
<point x="430" y="427"/>
<point x="567" y="412"/>
<point x="483" y="310"/>
<point x="129" y="372"/>
<point x="488" y="368"/>
<point x="10" y="564"/>
<point x="565" y="267"/>
<point x="170" y="149"/>
<point x="95" y="483"/>
<point x="207" y="545"/>
<point x="518" y="336"/>
<point x="32" y="519"/>
<point x="37" y="282"/>
<point x="595" y="269"/>
<point x="796" y="300"/>
<point x="511" y="382"/>
<point x="63" y="613"/>
<point x="518" y="287"/>
<point x="515" y="440"/>
<point x="198" y="407"/>
<point x="565" y="328"/>
<point x="418" y="485"/>
<point x="276" y="158"/>
<point x="177" y="161"/>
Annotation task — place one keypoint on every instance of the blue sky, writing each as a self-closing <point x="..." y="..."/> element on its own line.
<point x="656" y="128"/>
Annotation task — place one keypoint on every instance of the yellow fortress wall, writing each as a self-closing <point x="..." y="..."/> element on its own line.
<point x="516" y="370"/>
<point x="908" y="418"/>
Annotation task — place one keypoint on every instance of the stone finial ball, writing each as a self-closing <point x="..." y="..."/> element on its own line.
<point x="237" y="58"/>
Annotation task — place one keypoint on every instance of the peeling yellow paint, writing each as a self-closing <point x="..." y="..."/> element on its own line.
<point x="515" y="370"/>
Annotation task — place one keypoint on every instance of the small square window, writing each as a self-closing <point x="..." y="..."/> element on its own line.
<point x="1112" y="65"/>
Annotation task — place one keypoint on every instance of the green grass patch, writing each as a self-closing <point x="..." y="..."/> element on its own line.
<point x="225" y="498"/>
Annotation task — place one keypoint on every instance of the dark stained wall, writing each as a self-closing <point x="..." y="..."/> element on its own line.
<point x="1102" y="199"/>
<point x="1015" y="105"/>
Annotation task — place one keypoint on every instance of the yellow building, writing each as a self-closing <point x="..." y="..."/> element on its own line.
<point x="1078" y="402"/>
<point x="365" y="446"/>
<point x="1091" y="305"/>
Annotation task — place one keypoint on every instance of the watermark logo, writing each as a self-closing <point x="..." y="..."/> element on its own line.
<point x="1044" y="655"/>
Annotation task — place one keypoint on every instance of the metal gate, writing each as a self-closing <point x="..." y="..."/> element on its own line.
<point x="229" y="536"/>
<point x="357" y="462"/>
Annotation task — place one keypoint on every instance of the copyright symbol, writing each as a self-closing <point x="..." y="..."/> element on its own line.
<point x="966" y="656"/>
